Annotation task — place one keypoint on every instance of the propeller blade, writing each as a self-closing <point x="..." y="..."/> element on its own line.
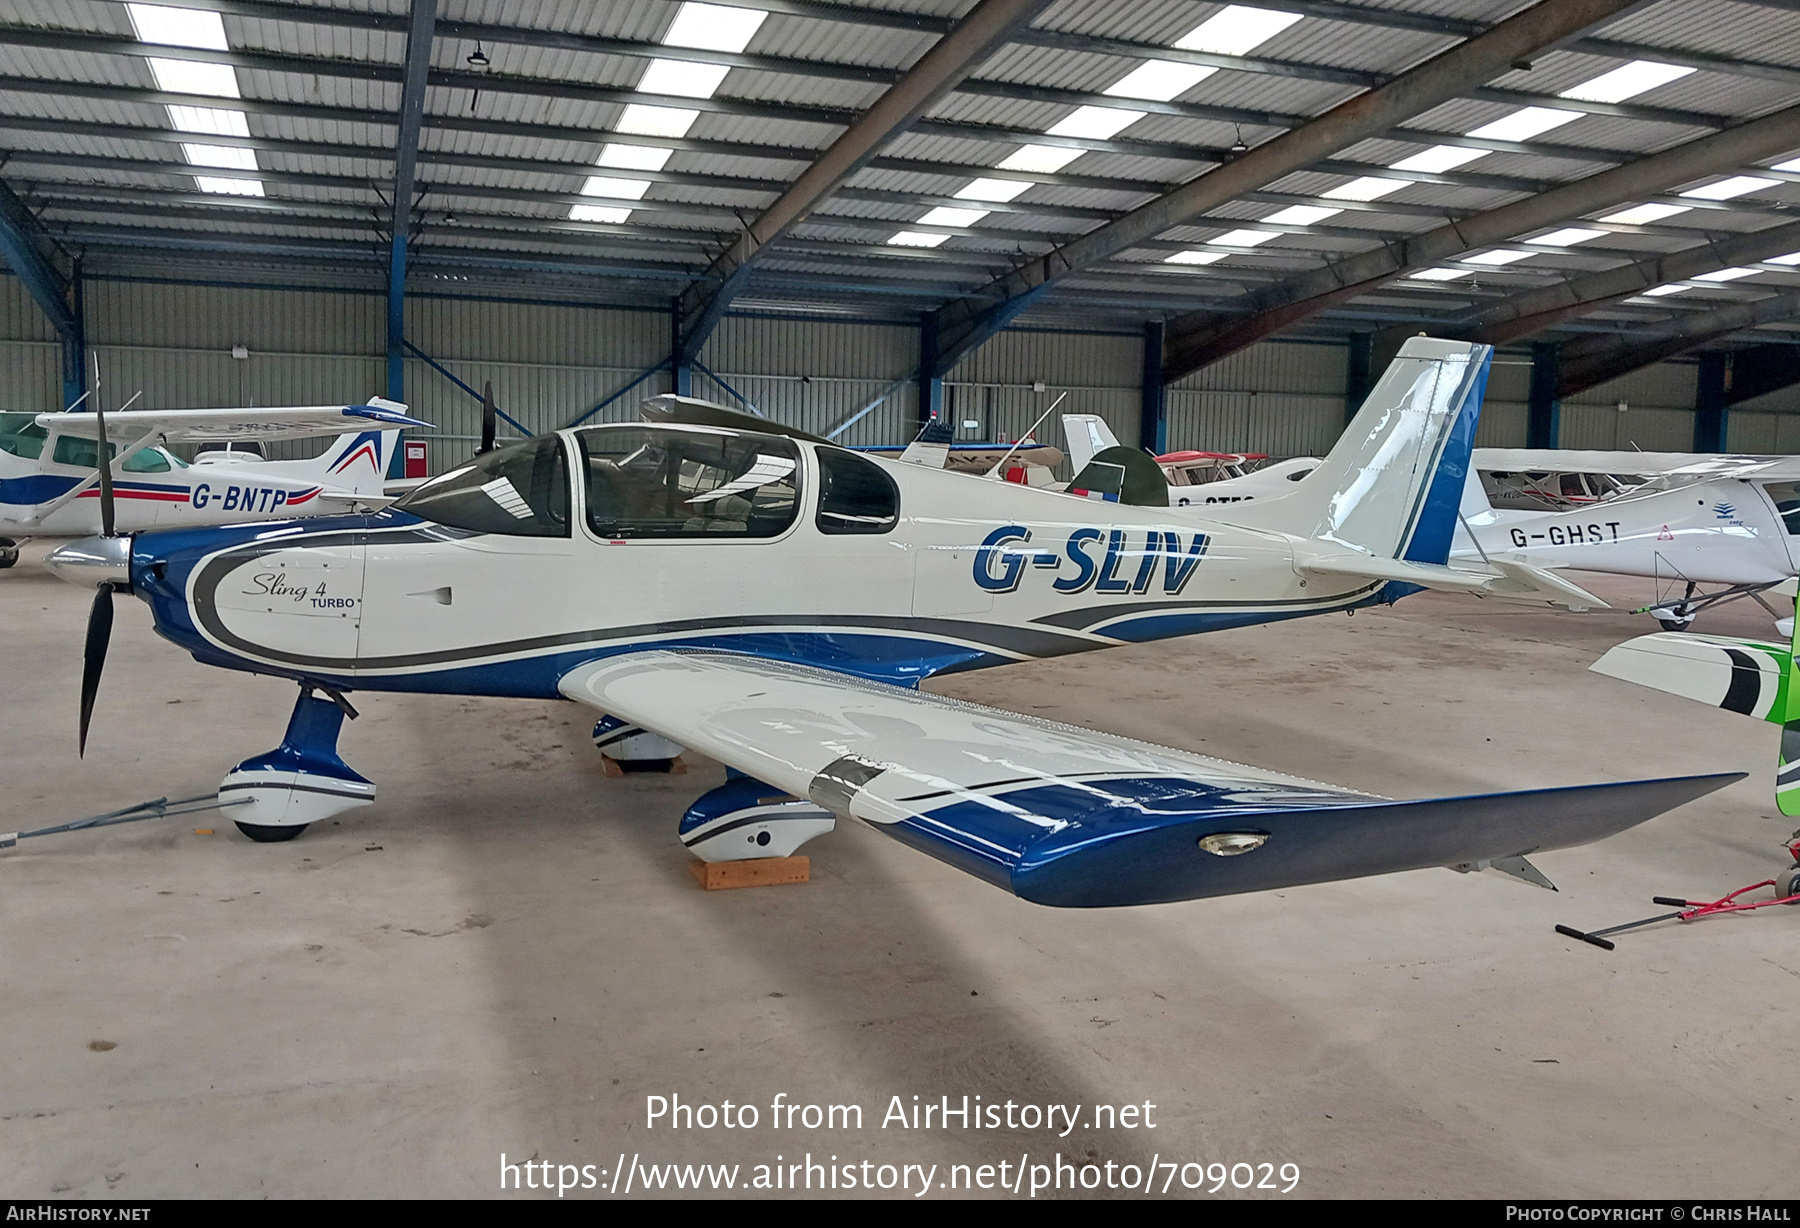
<point x="103" y="459"/>
<point x="99" y="634"/>
<point x="489" y="418"/>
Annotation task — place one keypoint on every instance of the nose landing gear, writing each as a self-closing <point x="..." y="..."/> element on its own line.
<point x="301" y="781"/>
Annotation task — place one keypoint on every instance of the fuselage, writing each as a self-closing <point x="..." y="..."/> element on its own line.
<point x="1724" y="531"/>
<point x="618" y="539"/>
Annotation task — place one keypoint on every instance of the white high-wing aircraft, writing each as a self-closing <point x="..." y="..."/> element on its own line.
<point x="49" y="475"/>
<point x="774" y="601"/>
<point x="1695" y="519"/>
<point x="1193" y="477"/>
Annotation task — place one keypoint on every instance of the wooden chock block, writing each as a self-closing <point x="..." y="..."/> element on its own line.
<point x="608" y="767"/>
<point x="757" y="872"/>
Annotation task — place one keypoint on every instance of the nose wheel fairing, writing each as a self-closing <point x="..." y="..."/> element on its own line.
<point x="302" y="780"/>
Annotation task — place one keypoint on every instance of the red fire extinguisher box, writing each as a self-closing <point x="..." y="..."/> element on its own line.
<point x="415" y="459"/>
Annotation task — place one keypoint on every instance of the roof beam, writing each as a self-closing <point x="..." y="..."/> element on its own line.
<point x="1593" y="361"/>
<point x="27" y="249"/>
<point x="421" y="19"/>
<point x="966" y="323"/>
<point x="1195" y="342"/>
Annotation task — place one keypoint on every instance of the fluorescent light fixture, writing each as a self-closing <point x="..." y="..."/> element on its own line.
<point x="226" y="157"/>
<point x="1499" y="256"/>
<point x="623" y="189"/>
<point x="1791" y="258"/>
<point x="1244" y="238"/>
<point x="943" y="215"/>
<point x="156" y="23"/>
<point x="1159" y="79"/>
<point x="1367" y="188"/>
<point x="1040" y="159"/>
<point x="1633" y="79"/>
<point x="1438" y="274"/>
<point x="1192" y="257"/>
<point x="714" y="27"/>
<point x="191" y="77"/>
<point x="683" y="77"/>
<point x="1725" y="189"/>
<point x="1643" y="215"/>
<point x="634" y="157"/>
<point x="1095" y="123"/>
<point x="209" y="121"/>
<point x="642" y="120"/>
<point x="1663" y="291"/>
<point x="1237" y="29"/>
<point x="1569" y="236"/>
<point x="994" y="189"/>
<point x="1301" y="215"/>
<point x="229" y="187"/>
<point x="1437" y="159"/>
<point x="598" y="213"/>
<point x="912" y="238"/>
<point x="1525" y="123"/>
<point x="1726" y="274"/>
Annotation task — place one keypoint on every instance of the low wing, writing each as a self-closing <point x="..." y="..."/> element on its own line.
<point x="1067" y="816"/>
<point x="203" y="425"/>
<point x="1695" y="465"/>
<point x="1744" y="676"/>
<point x="1507" y="579"/>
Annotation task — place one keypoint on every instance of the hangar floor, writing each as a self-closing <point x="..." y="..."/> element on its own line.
<point x="505" y="953"/>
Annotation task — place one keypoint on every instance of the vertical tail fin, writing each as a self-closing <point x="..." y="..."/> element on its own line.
<point x="356" y="462"/>
<point x="932" y="447"/>
<point x="1394" y="481"/>
<point x="1087" y="434"/>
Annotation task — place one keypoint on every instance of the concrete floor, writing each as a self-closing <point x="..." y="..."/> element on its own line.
<point x="505" y="953"/>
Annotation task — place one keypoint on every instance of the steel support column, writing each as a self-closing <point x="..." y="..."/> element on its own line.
<point x="1710" y="402"/>
<point x="1544" y="425"/>
<point x="420" y="24"/>
<point x="681" y="363"/>
<point x="26" y="249"/>
<point x="1359" y="373"/>
<point x="1153" y="406"/>
<point x="931" y="382"/>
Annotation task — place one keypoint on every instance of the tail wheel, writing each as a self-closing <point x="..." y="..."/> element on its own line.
<point x="1675" y="624"/>
<point x="263" y="834"/>
<point x="1787" y="883"/>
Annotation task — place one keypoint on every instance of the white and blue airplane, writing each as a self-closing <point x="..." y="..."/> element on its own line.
<point x="774" y="601"/>
<point x="50" y="480"/>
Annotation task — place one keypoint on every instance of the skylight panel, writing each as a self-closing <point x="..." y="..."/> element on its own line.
<point x="1663" y="291"/>
<point x="1500" y="256"/>
<point x="226" y="157"/>
<point x="1369" y="187"/>
<point x="1160" y="80"/>
<point x="634" y="157"/>
<point x="1790" y="259"/>
<point x="1437" y="159"/>
<point x="1243" y="238"/>
<point x="682" y="77"/>
<point x="598" y="213"/>
<point x="1096" y="123"/>
<point x="943" y="215"/>
<point x="156" y="23"/>
<point x="1438" y="274"/>
<point x="1637" y="77"/>
<point x="1792" y="166"/>
<point x="1726" y="274"/>
<point x="1237" y="29"/>
<point x="1726" y="189"/>
<point x="229" y="187"/>
<point x="714" y="27"/>
<point x="1040" y="159"/>
<point x="994" y="189"/>
<point x="209" y="121"/>
<point x="642" y="120"/>
<point x="1569" y="236"/>
<point x="607" y="185"/>
<point x="1526" y="123"/>
<point x="192" y="77"/>
<point x="912" y="238"/>
<point x="1301" y="215"/>
<point x="1193" y="257"/>
<point x="1643" y="215"/>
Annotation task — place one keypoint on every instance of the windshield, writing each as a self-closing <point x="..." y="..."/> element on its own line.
<point x="521" y="491"/>
<point x="21" y="435"/>
<point x="657" y="482"/>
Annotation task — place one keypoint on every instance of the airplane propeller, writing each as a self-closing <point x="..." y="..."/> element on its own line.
<point x="100" y="614"/>
<point x="489" y="419"/>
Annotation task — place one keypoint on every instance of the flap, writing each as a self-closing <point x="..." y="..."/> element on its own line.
<point x="203" y="425"/>
<point x="1067" y="816"/>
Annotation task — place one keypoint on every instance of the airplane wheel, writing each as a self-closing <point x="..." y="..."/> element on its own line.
<point x="1675" y="624"/>
<point x="271" y="835"/>
<point x="8" y="557"/>
<point x="1788" y="883"/>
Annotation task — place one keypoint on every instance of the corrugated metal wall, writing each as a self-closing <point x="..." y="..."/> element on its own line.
<point x="552" y="363"/>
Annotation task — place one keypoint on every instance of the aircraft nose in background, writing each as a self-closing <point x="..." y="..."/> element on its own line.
<point x="92" y="560"/>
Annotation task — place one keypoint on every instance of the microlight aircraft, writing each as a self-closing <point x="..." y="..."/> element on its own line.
<point x="1196" y="479"/>
<point x="773" y="602"/>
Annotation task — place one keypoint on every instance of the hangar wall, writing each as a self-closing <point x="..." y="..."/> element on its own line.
<point x="550" y="363"/>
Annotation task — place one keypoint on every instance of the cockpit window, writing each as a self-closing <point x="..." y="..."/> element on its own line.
<point x="1787" y="501"/>
<point x="84" y="453"/>
<point x="21" y="435"/>
<point x="656" y="482"/>
<point x="520" y="491"/>
<point x="855" y="496"/>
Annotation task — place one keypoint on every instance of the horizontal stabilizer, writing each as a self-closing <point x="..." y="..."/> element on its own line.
<point x="1739" y="675"/>
<point x="1507" y="579"/>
